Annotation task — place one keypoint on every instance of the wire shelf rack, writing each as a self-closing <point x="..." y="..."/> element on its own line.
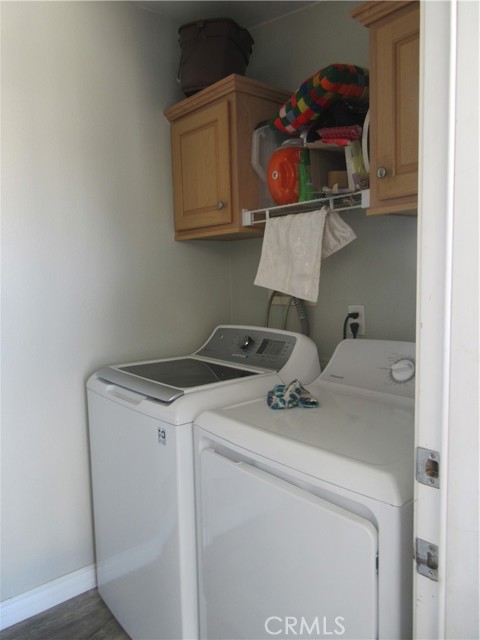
<point x="335" y="202"/>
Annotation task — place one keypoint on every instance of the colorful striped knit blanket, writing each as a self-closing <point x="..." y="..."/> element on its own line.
<point x="335" y="82"/>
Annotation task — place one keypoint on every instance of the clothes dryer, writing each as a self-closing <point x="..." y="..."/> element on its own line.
<point x="141" y="442"/>
<point x="305" y="514"/>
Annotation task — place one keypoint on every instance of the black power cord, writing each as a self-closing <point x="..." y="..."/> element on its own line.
<point x="353" y="316"/>
<point x="354" y="327"/>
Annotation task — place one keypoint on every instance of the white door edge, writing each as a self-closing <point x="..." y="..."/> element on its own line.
<point x="447" y="318"/>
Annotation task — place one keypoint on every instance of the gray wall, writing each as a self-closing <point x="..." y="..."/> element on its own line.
<point x="90" y="271"/>
<point x="379" y="268"/>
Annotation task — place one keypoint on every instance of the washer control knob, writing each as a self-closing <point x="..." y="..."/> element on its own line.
<point x="403" y="370"/>
<point x="245" y="342"/>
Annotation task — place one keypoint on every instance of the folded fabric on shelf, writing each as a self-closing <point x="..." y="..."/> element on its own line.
<point x="340" y="136"/>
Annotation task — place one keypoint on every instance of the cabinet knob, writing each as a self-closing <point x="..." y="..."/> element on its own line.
<point x="381" y="172"/>
<point x="220" y="204"/>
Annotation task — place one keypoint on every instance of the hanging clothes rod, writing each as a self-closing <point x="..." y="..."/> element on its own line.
<point x="336" y="202"/>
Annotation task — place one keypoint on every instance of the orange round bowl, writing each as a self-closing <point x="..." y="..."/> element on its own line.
<point x="282" y="175"/>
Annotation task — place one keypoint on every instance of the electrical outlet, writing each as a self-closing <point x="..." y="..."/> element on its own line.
<point x="360" y="309"/>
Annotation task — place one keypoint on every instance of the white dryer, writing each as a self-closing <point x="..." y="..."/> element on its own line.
<point x="141" y="441"/>
<point x="305" y="514"/>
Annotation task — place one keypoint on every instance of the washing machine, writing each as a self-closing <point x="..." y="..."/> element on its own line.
<point x="304" y="515"/>
<point x="141" y="443"/>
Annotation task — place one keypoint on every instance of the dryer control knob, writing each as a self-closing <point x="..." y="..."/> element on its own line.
<point x="403" y="370"/>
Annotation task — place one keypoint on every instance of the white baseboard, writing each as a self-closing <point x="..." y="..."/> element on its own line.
<point x="46" y="596"/>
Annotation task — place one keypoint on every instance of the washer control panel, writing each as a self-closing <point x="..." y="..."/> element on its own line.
<point x="252" y="346"/>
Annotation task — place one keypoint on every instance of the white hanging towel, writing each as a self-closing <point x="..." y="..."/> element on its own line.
<point x="293" y="247"/>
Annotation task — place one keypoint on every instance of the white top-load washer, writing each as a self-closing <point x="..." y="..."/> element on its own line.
<point x="305" y="514"/>
<point x="141" y="442"/>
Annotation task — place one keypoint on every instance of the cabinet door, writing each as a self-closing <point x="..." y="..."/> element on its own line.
<point x="395" y="106"/>
<point x="201" y="168"/>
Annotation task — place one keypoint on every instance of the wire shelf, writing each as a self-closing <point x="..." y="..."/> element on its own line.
<point x="335" y="202"/>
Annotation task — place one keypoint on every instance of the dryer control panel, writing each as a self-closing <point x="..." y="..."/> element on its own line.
<point x="387" y="366"/>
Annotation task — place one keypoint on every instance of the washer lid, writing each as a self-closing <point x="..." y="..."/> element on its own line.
<point x="362" y="441"/>
<point x="167" y="380"/>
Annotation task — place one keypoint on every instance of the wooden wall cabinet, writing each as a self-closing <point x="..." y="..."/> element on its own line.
<point x="213" y="179"/>
<point x="394" y="103"/>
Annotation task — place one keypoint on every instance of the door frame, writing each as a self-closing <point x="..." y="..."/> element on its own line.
<point x="447" y="318"/>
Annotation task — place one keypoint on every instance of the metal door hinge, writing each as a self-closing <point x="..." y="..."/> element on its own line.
<point x="426" y="557"/>
<point x="428" y="467"/>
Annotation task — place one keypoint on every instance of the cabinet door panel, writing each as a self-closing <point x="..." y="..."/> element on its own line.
<point x="397" y="45"/>
<point x="394" y="102"/>
<point x="201" y="172"/>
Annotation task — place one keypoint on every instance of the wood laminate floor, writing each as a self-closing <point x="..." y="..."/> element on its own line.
<point x="82" y="618"/>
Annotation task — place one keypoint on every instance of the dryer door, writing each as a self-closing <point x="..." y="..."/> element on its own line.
<point x="277" y="561"/>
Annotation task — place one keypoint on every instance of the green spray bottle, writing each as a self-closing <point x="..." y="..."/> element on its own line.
<point x="306" y="190"/>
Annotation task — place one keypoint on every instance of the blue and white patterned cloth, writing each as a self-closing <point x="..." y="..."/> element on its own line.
<point x="291" y="395"/>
